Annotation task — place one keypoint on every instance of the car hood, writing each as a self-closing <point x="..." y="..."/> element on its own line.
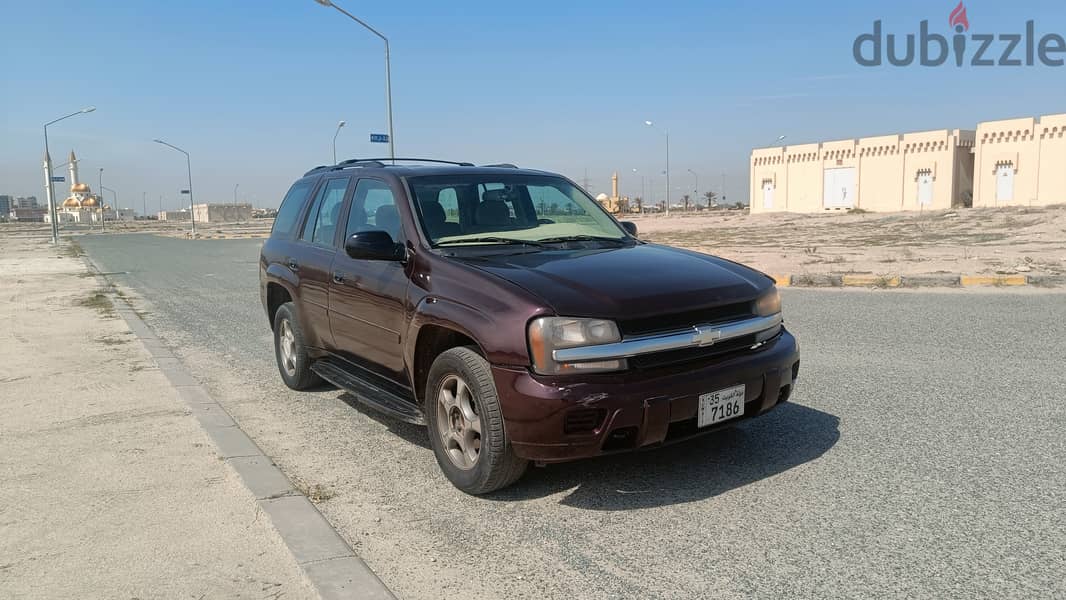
<point x="616" y="283"/>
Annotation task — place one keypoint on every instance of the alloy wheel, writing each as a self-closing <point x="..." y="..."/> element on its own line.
<point x="458" y="422"/>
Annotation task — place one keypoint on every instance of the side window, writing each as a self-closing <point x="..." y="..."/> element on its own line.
<point x="450" y="203"/>
<point x="325" y="212"/>
<point x="374" y="207"/>
<point x="285" y="221"/>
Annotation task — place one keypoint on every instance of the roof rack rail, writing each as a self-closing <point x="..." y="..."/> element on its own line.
<point x="383" y="161"/>
<point x="502" y="166"/>
<point x="318" y="168"/>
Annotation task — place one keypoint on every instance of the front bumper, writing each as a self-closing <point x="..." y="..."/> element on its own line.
<point x="625" y="411"/>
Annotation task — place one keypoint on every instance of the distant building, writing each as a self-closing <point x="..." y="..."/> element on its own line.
<point x="31" y="215"/>
<point x="82" y="206"/>
<point x="5" y="207"/>
<point x="26" y="202"/>
<point x="614" y="203"/>
<point x="222" y="213"/>
<point x="1011" y="162"/>
<point x="911" y="171"/>
<point x="1021" y="161"/>
<point x="173" y="215"/>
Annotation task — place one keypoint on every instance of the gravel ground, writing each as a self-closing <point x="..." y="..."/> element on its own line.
<point x="922" y="457"/>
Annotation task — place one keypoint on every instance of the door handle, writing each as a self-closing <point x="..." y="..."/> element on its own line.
<point x="338" y="277"/>
<point x="293" y="265"/>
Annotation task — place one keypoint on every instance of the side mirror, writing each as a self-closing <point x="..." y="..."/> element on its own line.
<point x="630" y="227"/>
<point x="373" y="245"/>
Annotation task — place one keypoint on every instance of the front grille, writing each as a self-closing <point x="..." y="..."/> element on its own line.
<point x="671" y="357"/>
<point x="686" y="319"/>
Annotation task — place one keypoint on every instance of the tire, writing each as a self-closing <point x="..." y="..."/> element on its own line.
<point x="294" y="363"/>
<point x="466" y="430"/>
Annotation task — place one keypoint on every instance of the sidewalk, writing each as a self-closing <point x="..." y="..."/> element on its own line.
<point x="109" y="488"/>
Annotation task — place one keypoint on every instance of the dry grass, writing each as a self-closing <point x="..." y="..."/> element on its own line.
<point x="98" y="301"/>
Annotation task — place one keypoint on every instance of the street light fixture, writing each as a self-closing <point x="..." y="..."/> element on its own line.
<point x="188" y="166"/>
<point x="49" y="188"/>
<point x="335" y="133"/>
<point x="667" y="133"/>
<point x="388" y="72"/>
<point x="781" y="138"/>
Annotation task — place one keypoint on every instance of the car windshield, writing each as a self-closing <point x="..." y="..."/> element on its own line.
<point x="506" y="209"/>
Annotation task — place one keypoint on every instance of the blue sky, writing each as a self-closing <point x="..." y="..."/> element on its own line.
<point x="253" y="90"/>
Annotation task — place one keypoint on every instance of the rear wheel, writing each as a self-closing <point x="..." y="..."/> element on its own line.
<point x="466" y="425"/>
<point x="294" y="363"/>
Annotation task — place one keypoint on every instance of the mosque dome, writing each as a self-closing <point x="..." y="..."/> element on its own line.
<point x="80" y="187"/>
<point x="71" y="203"/>
<point x="89" y="202"/>
<point x="601" y="197"/>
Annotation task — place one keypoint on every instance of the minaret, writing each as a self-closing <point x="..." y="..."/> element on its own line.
<point x="73" y="170"/>
<point x="614" y="185"/>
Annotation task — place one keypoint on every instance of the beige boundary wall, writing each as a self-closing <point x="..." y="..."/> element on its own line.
<point x="1021" y="162"/>
<point x="925" y="170"/>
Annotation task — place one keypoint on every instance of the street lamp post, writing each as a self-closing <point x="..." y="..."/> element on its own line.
<point x="335" y="133"/>
<point x="667" y="133"/>
<point x="188" y="166"/>
<point x="49" y="188"/>
<point x="114" y="193"/>
<point x="388" y="72"/>
<point x="100" y="206"/>
<point x="696" y="192"/>
<point x="642" y="198"/>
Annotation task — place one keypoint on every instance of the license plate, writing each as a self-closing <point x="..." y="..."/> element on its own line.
<point x="722" y="405"/>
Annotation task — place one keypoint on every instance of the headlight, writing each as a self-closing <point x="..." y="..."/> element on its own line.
<point x="768" y="304"/>
<point x="548" y="334"/>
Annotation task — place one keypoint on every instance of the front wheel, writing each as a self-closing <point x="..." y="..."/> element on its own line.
<point x="466" y="425"/>
<point x="293" y="361"/>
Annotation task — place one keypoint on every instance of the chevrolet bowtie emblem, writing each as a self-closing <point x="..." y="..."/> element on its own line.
<point x="705" y="336"/>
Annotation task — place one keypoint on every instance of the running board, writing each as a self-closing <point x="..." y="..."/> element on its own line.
<point x="367" y="393"/>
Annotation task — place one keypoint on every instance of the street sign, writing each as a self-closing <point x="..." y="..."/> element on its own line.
<point x="184" y="191"/>
<point x="58" y="179"/>
<point x="379" y="138"/>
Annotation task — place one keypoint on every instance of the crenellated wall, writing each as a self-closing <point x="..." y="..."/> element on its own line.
<point x="1032" y="150"/>
<point x="885" y="173"/>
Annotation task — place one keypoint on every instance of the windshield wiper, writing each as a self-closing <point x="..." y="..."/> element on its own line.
<point x="491" y="240"/>
<point x="583" y="238"/>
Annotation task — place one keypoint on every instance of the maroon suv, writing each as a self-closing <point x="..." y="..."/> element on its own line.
<point x="504" y="309"/>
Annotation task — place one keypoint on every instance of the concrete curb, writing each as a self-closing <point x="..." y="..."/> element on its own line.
<point x="891" y="280"/>
<point x="325" y="558"/>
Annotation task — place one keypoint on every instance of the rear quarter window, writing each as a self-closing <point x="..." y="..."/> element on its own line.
<point x="289" y="212"/>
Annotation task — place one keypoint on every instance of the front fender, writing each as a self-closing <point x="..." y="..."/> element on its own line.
<point x="492" y="335"/>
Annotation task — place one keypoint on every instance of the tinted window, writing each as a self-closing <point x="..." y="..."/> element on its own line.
<point x="325" y="212"/>
<point x="374" y="207"/>
<point x="526" y="207"/>
<point x="285" y="222"/>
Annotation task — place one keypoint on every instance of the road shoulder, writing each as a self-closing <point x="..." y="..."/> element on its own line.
<point x="111" y="487"/>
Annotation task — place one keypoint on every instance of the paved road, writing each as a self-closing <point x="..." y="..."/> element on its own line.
<point x="923" y="457"/>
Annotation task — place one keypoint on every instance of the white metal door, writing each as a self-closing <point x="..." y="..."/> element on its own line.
<point x="1004" y="183"/>
<point x="839" y="188"/>
<point x="925" y="188"/>
<point x="768" y="194"/>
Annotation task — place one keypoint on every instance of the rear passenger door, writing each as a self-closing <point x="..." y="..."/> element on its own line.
<point x="367" y="298"/>
<point x="318" y="243"/>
